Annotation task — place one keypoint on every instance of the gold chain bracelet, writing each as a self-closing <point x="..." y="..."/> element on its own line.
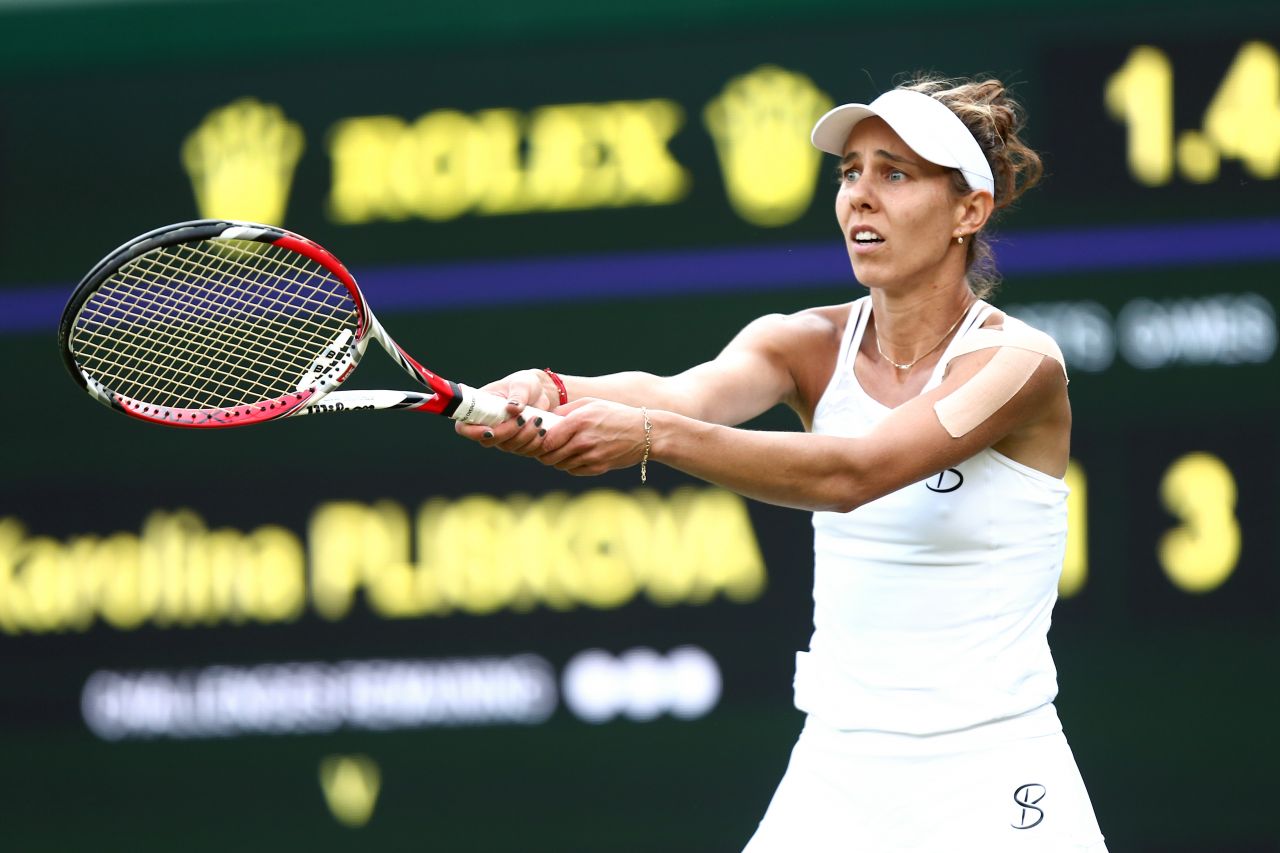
<point x="648" y="443"/>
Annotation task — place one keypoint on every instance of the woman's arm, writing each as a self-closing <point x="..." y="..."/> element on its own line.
<point x="815" y="472"/>
<point x="753" y="373"/>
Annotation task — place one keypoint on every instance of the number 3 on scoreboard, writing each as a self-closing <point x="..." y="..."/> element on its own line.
<point x="1201" y="553"/>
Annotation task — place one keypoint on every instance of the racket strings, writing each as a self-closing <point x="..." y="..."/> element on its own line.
<point x="185" y="375"/>
<point x="210" y="325"/>
<point x="218" y="336"/>
<point x="181" y="375"/>
<point x="248" y="349"/>
<point x="161" y="346"/>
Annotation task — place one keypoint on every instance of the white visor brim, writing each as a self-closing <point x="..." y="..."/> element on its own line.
<point x="927" y="126"/>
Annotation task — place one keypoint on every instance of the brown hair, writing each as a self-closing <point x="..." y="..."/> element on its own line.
<point x="995" y="119"/>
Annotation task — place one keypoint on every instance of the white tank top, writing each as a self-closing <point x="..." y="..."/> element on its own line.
<point x="932" y="604"/>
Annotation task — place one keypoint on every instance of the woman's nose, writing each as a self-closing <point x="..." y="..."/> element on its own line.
<point x="858" y="196"/>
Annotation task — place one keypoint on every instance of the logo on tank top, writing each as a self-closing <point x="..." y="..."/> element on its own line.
<point x="945" y="481"/>
<point x="1027" y="796"/>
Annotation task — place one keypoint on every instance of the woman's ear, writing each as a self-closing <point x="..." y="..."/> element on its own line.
<point x="974" y="210"/>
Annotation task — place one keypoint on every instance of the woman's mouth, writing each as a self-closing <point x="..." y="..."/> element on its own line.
<point x="866" y="239"/>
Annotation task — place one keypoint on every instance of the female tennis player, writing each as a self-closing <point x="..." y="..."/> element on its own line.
<point x="936" y="439"/>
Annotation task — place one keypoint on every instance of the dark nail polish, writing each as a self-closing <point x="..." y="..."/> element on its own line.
<point x="542" y="432"/>
<point x="519" y="420"/>
<point x="488" y="434"/>
<point x="537" y="421"/>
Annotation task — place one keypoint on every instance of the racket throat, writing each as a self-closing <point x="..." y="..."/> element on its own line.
<point x="451" y="406"/>
<point x="334" y="365"/>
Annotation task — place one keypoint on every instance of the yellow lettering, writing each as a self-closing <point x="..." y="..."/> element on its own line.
<point x="122" y="604"/>
<point x="495" y="167"/>
<point x="278" y="574"/>
<point x="481" y="554"/>
<point x="1243" y="120"/>
<point x="540" y="532"/>
<point x="670" y="569"/>
<point x="447" y="163"/>
<point x="176" y="573"/>
<point x="1075" y="563"/>
<point x="42" y="570"/>
<point x="478" y="554"/>
<point x="606" y="543"/>
<point x="364" y="183"/>
<point x="717" y="531"/>
<point x="169" y="552"/>
<point x="646" y="170"/>
<point x="564" y="147"/>
<point x="354" y="546"/>
<point x="1140" y="94"/>
<point x="479" y="568"/>
<point x="431" y="166"/>
<point x="1201" y="553"/>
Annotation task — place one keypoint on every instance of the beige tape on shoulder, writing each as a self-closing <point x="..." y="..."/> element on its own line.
<point x="988" y="390"/>
<point x="1021" y="349"/>
<point x="1015" y="334"/>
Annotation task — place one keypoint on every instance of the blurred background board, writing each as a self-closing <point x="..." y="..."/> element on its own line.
<point x="364" y="633"/>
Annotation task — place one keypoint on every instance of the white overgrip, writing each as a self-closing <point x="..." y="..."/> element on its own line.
<point x="481" y="407"/>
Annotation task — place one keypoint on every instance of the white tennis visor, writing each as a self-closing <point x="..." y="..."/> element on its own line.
<point x="926" y="125"/>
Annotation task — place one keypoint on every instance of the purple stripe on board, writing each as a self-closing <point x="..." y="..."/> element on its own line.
<point x="637" y="274"/>
<point x="32" y="309"/>
<point x="641" y="274"/>
<point x="815" y="264"/>
<point x="1145" y="246"/>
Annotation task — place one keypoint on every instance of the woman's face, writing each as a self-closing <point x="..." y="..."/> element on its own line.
<point x="899" y="213"/>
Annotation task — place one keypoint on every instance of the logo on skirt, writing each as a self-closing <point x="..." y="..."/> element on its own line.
<point x="1027" y="796"/>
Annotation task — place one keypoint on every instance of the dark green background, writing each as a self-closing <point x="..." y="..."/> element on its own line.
<point x="1169" y="699"/>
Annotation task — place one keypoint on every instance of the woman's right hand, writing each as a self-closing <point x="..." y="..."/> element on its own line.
<point x="518" y="434"/>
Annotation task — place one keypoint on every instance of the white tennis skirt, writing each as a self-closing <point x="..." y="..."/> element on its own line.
<point x="989" y="789"/>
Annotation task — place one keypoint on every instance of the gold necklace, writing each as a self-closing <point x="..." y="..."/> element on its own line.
<point x="913" y="361"/>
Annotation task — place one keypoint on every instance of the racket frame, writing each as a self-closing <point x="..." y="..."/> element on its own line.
<point x="443" y="397"/>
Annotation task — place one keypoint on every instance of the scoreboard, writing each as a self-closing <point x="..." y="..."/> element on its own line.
<point x="365" y="633"/>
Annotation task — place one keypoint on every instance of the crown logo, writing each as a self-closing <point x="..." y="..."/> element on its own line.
<point x="760" y="123"/>
<point x="241" y="160"/>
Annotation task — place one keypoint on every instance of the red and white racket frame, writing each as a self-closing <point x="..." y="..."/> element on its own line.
<point x="444" y="397"/>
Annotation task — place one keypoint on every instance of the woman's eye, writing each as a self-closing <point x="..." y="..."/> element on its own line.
<point x="851" y="175"/>
<point x="897" y="176"/>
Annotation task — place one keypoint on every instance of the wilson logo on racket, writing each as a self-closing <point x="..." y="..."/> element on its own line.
<point x="216" y="323"/>
<point x="337" y="407"/>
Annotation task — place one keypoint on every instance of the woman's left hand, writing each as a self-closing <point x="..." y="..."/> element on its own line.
<point x="596" y="436"/>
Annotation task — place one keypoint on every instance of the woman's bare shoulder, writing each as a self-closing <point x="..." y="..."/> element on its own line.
<point x="824" y="323"/>
<point x="797" y="332"/>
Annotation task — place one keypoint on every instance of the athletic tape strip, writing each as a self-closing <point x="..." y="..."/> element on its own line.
<point x="1021" y="349"/>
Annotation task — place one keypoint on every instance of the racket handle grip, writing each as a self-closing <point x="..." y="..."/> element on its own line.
<point x="481" y="407"/>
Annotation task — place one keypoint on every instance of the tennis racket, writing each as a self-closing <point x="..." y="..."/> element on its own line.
<point x="215" y="323"/>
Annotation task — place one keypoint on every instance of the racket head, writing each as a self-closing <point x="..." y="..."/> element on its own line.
<point x="214" y="323"/>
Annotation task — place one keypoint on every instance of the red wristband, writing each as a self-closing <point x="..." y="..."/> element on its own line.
<point x="564" y="394"/>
